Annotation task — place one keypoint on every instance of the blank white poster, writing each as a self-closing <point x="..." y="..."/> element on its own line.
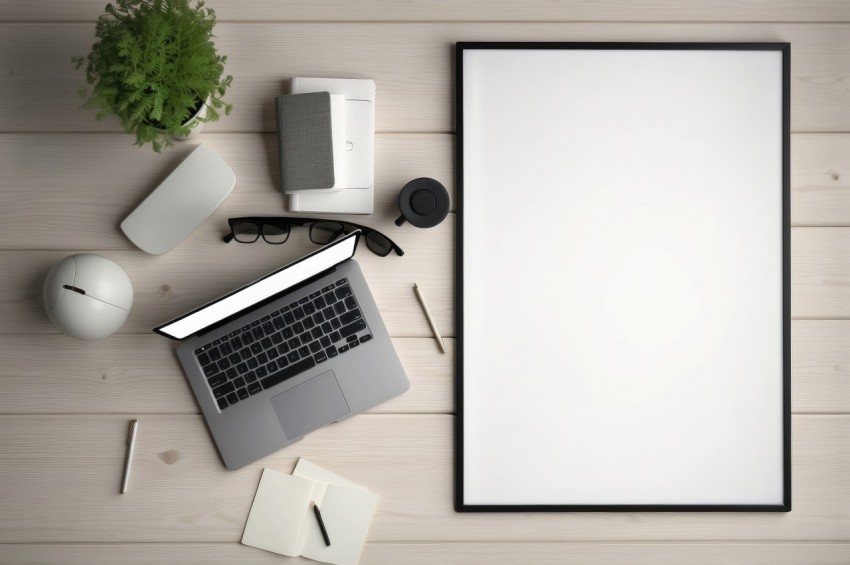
<point x="622" y="277"/>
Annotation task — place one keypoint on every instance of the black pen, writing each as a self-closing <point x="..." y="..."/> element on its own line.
<point x="321" y="523"/>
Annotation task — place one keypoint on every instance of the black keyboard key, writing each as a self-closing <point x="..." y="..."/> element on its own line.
<point x="315" y="294"/>
<point x="314" y="347"/>
<point x="265" y="318"/>
<point x="250" y="376"/>
<point x="223" y="389"/>
<point x="271" y="367"/>
<point x="343" y="349"/>
<point x="239" y="382"/>
<point x="287" y="333"/>
<point x="331" y="351"/>
<point x="339" y="307"/>
<point x="283" y="348"/>
<point x="214" y="354"/>
<point x="199" y="350"/>
<point x="302" y="300"/>
<point x="257" y="333"/>
<point x="366" y="337"/>
<point x="316" y="333"/>
<point x="304" y="351"/>
<point x="328" y="313"/>
<point x="294" y="343"/>
<point x="350" y="303"/>
<point x="222" y="403"/>
<point x="254" y="388"/>
<point x="233" y="358"/>
<point x="308" y="323"/>
<point x="325" y="341"/>
<point x="268" y="328"/>
<point x="278" y="323"/>
<point x="330" y="298"/>
<point x="272" y="353"/>
<point x="262" y="372"/>
<point x="341" y="282"/>
<point x="298" y="312"/>
<point x="306" y="338"/>
<point x="288" y="317"/>
<point x="255" y="323"/>
<point x="225" y="348"/>
<point x="224" y="364"/>
<point x="309" y="309"/>
<point x="247" y="339"/>
<point x="245" y="353"/>
<point x="350" y="316"/>
<point x="277" y="338"/>
<point x="236" y="342"/>
<point x="343" y="291"/>
<point x="242" y="368"/>
<point x="266" y="342"/>
<point x="252" y="363"/>
<point x="335" y="337"/>
<point x="319" y="303"/>
<point x="216" y="342"/>
<point x="353" y="344"/>
<point x="327" y="288"/>
<point x="232" y="398"/>
<point x="287" y="372"/>
<point x="217" y="380"/>
<point x="282" y="362"/>
<point x="210" y="370"/>
<point x="320" y="356"/>
<point x="256" y="347"/>
<point x="243" y="393"/>
<point x="293" y="356"/>
<point x="327" y="327"/>
<point x="298" y="327"/>
<point x="231" y="373"/>
<point x="204" y="359"/>
<point x="351" y="338"/>
<point x="262" y="358"/>
<point x="353" y="328"/>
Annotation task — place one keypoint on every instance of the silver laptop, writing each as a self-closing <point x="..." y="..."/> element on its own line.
<point x="295" y="350"/>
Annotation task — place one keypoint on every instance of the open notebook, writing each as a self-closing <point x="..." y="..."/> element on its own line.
<point x="282" y="521"/>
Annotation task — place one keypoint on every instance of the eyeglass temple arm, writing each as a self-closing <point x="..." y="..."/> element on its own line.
<point x="228" y="238"/>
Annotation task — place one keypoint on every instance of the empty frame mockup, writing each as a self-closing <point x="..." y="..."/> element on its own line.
<point x="623" y="297"/>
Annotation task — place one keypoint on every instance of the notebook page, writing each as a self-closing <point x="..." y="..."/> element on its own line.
<point x="347" y="513"/>
<point x="278" y="513"/>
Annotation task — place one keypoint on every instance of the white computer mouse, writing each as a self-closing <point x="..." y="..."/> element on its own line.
<point x="87" y="296"/>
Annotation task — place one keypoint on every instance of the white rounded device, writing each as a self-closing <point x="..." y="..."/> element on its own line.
<point x="87" y="296"/>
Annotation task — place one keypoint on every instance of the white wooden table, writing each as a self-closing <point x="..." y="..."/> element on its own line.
<point x="66" y="181"/>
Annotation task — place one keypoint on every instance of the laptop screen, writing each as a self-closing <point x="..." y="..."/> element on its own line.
<point x="265" y="287"/>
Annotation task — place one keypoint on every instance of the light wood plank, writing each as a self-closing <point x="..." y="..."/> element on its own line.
<point x="820" y="179"/>
<point x="820" y="366"/>
<point x="74" y="189"/>
<point x="204" y="268"/>
<point x="61" y="476"/>
<point x="411" y="64"/>
<point x="140" y="374"/>
<point x="820" y="272"/>
<point x="86" y="187"/>
<point x="470" y="10"/>
<point x="459" y="553"/>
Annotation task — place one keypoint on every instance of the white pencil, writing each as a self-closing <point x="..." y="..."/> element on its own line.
<point x="431" y="322"/>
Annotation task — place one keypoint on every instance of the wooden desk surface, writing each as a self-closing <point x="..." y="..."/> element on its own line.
<point x="66" y="181"/>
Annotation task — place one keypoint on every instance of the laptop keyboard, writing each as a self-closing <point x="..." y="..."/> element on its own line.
<point x="283" y="344"/>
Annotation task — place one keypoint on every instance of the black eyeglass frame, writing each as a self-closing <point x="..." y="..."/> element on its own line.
<point x="288" y="221"/>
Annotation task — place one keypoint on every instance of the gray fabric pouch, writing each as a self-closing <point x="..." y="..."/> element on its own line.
<point x="305" y="141"/>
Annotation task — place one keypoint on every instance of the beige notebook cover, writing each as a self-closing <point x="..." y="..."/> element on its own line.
<point x="282" y="520"/>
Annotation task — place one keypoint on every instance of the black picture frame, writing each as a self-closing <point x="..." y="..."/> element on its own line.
<point x="785" y="506"/>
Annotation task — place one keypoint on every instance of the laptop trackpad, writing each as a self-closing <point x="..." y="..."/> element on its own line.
<point x="310" y="405"/>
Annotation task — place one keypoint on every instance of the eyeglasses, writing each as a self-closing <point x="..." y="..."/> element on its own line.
<point x="275" y="230"/>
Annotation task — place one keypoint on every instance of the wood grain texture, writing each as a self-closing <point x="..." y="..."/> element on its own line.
<point x="471" y="10"/>
<point x="820" y="273"/>
<point x="457" y="553"/>
<point x="411" y="64"/>
<point x="140" y="374"/>
<point x="820" y="180"/>
<point x="75" y="189"/>
<point x="61" y="476"/>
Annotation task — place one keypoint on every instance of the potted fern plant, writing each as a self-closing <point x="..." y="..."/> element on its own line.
<point x="155" y="66"/>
